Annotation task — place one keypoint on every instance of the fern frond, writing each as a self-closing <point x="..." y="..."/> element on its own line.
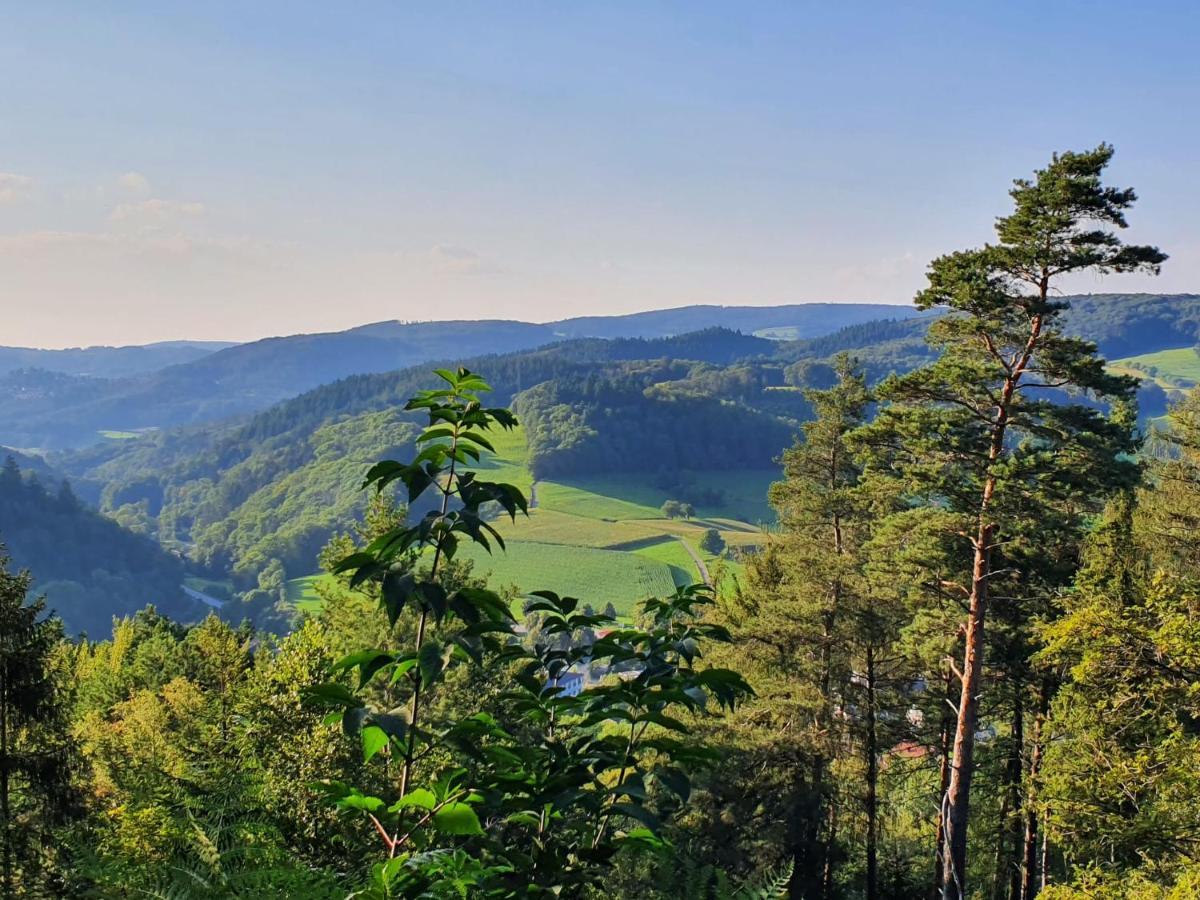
<point x="773" y="888"/>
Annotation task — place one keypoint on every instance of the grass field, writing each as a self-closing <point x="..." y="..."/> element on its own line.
<point x="302" y="593"/>
<point x="508" y="463"/>
<point x="634" y="496"/>
<point x="602" y="539"/>
<point x="553" y="527"/>
<point x="119" y="435"/>
<point x="672" y="552"/>
<point x="1179" y="368"/>
<point x="594" y="576"/>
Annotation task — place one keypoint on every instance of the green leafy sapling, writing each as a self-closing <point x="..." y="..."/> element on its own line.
<point x="537" y="792"/>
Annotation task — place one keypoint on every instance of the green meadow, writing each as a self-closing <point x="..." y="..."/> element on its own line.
<point x="302" y="592"/>
<point x="594" y="576"/>
<point x="601" y="538"/>
<point x="1178" y="368"/>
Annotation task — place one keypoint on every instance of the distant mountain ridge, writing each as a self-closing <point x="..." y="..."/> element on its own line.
<point x="807" y="319"/>
<point x="108" y="362"/>
<point x="40" y="411"/>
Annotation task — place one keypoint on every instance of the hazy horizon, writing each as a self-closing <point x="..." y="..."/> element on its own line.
<point x="534" y="321"/>
<point x="229" y="173"/>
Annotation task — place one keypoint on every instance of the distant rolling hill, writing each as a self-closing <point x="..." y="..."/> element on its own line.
<point x="790" y="322"/>
<point x="108" y="362"/>
<point x="55" y="409"/>
<point x="48" y="408"/>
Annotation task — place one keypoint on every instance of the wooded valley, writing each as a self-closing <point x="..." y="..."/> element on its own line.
<point x="812" y="602"/>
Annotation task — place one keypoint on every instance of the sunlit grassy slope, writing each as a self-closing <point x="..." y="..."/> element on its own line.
<point x="508" y="462"/>
<point x="594" y="576"/>
<point x="302" y="592"/>
<point x="602" y="538"/>
<point x="1179" y="368"/>
<point x="634" y="495"/>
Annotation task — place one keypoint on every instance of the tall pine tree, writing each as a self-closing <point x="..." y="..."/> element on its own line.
<point x="983" y="433"/>
<point x="795" y="622"/>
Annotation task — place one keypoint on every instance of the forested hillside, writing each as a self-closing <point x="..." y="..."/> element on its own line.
<point x="279" y="485"/>
<point x="237" y="495"/>
<point x="89" y="568"/>
<point x="602" y="422"/>
<point x="45" y="407"/>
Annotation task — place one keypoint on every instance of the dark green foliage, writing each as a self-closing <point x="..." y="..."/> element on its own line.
<point x="677" y="509"/>
<point x="89" y="568"/>
<point x="712" y="542"/>
<point x="35" y="752"/>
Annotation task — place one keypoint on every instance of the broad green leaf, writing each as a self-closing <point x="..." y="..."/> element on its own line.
<point x="457" y="818"/>
<point x="331" y="694"/>
<point x="431" y="662"/>
<point x="374" y="739"/>
<point x="417" y="798"/>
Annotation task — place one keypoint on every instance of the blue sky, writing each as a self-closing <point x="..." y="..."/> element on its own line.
<point x="238" y="170"/>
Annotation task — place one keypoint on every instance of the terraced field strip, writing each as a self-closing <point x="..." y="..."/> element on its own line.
<point x="734" y="525"/>
<point x="587" y="498"/>
<point x="673" y="552"/>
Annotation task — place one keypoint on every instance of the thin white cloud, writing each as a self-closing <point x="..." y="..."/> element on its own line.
<point x="14" y="187"/>
<point x="455" y="259"/>
<point x="887" y="279"/>
<point x="135" y="183"/>
<point x="67" y="247"/>
<point x="155" y="212"/>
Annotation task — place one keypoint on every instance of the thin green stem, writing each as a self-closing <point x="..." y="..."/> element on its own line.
<point x="411" y="748"/>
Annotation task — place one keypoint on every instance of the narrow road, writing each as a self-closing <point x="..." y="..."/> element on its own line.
<point x="203" y="598"/>
<point x="697" y="560"/>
